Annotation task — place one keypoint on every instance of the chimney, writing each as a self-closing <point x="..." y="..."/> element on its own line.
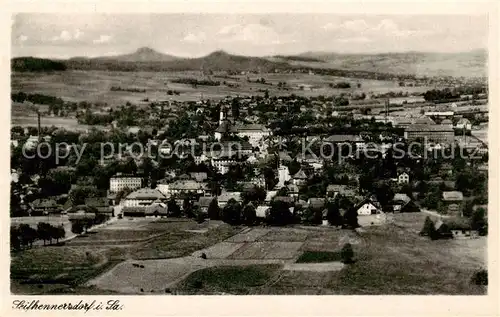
<point x="39" y="126"/>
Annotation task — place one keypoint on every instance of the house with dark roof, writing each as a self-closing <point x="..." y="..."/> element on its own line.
<point x="203" y="203"/>
<point x="144" y="197"/>
<point x="316" y="203"/>
<point x="333" y="190"/>
<point x="455" y="227"/>
<point x="156" y="209"/>
<point x="402" y="203"/>
<point x="299" y="178"/>
<point x="286" y="199"/>
<point x="101" y="204"/>
<point x="45" y="206"/>
<point x="368" y="206"/>
<point x="454" y="202"/>
<point x="439" y="133"/>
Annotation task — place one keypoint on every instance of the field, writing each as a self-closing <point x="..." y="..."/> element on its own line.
<point x="34" y="271"/>
<point x="95" y="86"/>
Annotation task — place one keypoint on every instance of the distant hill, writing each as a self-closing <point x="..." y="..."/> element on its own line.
<point x="467" y="64"/>
<point x="374" y="66"/>
<point x="143" y="54"/>
<point x="216" y="61"/>
<point x="33" y="64"/>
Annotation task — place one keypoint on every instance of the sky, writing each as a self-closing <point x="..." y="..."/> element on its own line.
<point x="193" y="35"/>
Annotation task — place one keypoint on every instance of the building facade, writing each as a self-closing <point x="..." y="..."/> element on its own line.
<point x="120" y="182"/>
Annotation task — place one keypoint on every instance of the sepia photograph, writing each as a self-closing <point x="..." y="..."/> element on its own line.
<point x="248" y="154"/>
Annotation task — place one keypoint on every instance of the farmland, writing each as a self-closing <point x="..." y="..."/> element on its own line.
<point x="172" y="263"/>
<point x="95" y="86"/>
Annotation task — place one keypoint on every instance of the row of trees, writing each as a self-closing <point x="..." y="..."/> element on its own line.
<point x="79" y="226"/>
<point x="23" y="236"/>
<point x="280" y="214"/>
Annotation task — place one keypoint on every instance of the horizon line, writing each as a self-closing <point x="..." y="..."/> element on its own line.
<point x="298" y="54"/>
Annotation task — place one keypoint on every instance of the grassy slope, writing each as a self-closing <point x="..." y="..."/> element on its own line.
<point x="469" y="64"/>
<point x="238" y="280"/>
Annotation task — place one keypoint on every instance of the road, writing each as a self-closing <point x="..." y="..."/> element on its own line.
<point x="433" y="213"/>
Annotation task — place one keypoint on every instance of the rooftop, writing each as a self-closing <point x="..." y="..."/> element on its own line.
<point x="146" y="194"/>
<point x="429" y="128"/>
<point x="453" y="196"/>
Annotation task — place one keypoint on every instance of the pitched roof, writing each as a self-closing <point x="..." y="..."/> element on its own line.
<point x="453" y="196"/>
<point x="424" y="120"/>
<point x="300" y="175"/>
<point x="147" y="194"/>
<point x="45" y="203"/>
<point x="270" y="195"/>
<point x="188" y="184"/>
<point x="156" y="208"/>
<point x="225" y="127"/>
<point x="97" y="202"/>
<point x="454" y="223"/>
<point x="401" y="197"/>
<point x="225" y="197"/>
<point x="285" y="199"/>
<point x="344" y="138"/>
<point x="317" y="202"/>
<point x="253" y="127"/>
<point x="292" y="188"/>
<point x="205" y="201"/>
<point x="341" y="189"/>
<point x="284" y="156"/>
<point x="429" y="128"/>
<point x="260" y="211"/>
<point x="199" y="176"/>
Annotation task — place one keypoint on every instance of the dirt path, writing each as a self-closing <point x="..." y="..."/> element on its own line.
<point x="434" y="213"/>
<point x="314" y="267"/>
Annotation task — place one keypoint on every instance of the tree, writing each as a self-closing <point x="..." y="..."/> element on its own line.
<point x="60" y="233"/>
<point x="44" y="232"/>
<point x="214" y="210"/>
<point x="429" y="229"/>
<point x="333" y="215"/>
<point x="480" y="277"/>
<point x="15" y="240"/>
<point x="351" y="218"/>
<point x="279" y="214"/>
<point x="256" y="194"/>
<point x="347" y="254"/>
<point x="478" y="221"/>
<point x="187" y="207"/>
<point x="249" y="215"/>
<point x="231" y="213"/>
<point x="173" y="209"/>
<point x="77" y="227"/>
<point x="27" y="234"/>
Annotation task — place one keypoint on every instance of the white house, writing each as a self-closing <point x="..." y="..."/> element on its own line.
<point x="261" y="211"/>
<point x="254" y="132"/>
<point x="403" y="178"/>
<point x="367" y="207"/>
<point x="120" y="182"/>
<point x="143" y="197"/>
<point x="464" y="123"/>
<point x="283" y="175"/>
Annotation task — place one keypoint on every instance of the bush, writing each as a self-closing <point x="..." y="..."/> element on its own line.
<point x="347" y="254"/>
<point x="480" y="278"/>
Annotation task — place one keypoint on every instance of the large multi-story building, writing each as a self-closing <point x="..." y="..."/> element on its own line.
<point x="144" y="197"/>
<point x="438" y="133"/>
<point x="255" y="133"/>
<point x="121" y="181"/>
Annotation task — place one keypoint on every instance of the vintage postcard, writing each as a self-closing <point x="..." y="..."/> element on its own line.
<point x="170" y="152"/>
